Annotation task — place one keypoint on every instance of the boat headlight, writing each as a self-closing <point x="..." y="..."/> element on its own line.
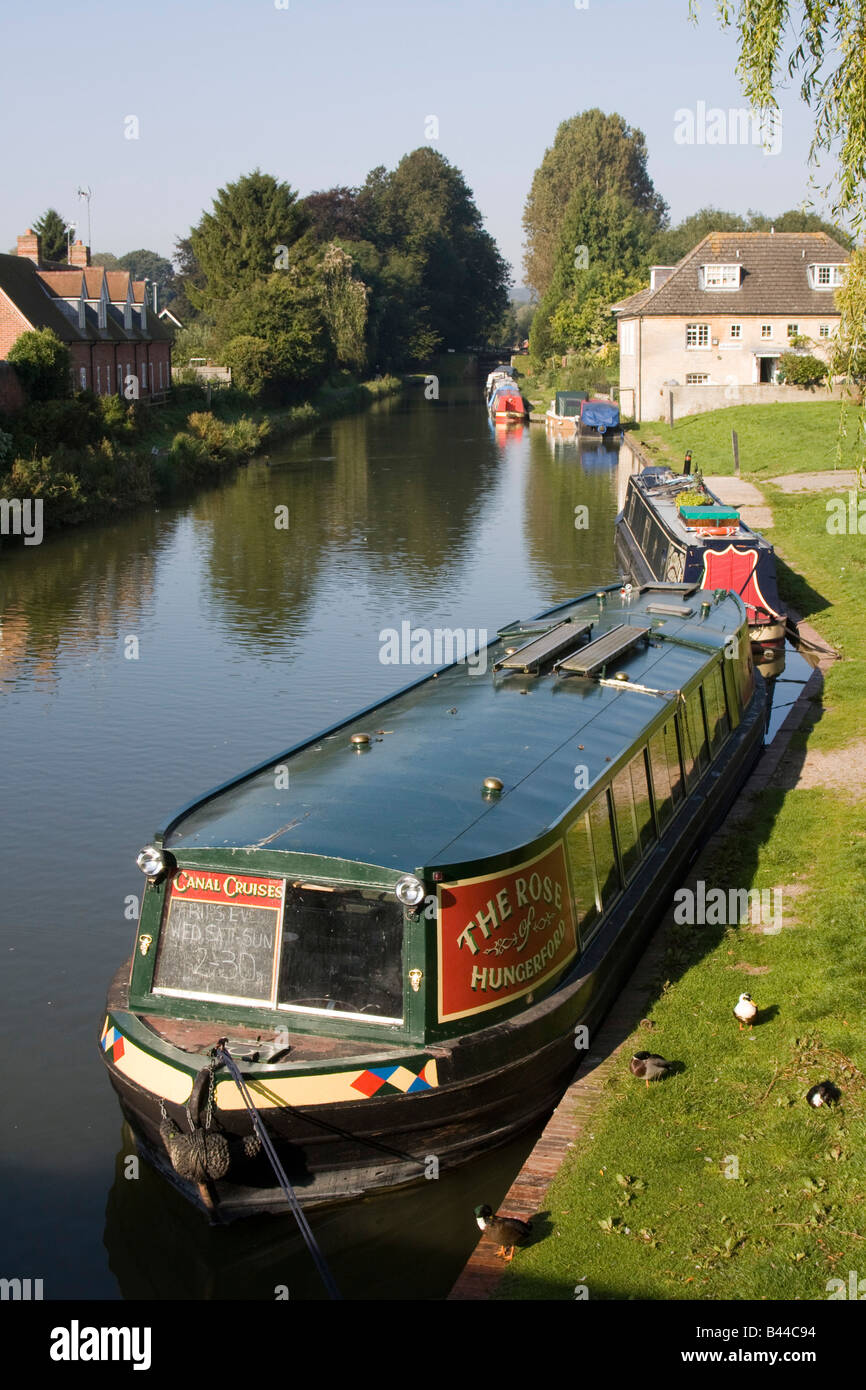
<point x="152" y="862"/>
<point x="409" y="890"/>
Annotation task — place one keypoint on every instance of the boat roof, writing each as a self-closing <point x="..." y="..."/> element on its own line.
<point x="415" y="799"/>
<point x="661" y="487"/>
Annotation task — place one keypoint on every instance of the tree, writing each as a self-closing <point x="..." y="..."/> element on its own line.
<point x="42" y="363"/>
<point x="51" y="227"/>
<point x="106" y="259"/>
<point x="282" y="313"/>
<point x="148" y="265"/>
<point x="344" y="306"/>
<point x="601" y="256"/>
<point x="828" y="53"/>
<point x="670" y="245"/>
<point x="335" y="215"/>
<point x="188" y="278"/>
<point x="591" y="148"/>
<point x="253" y="227"/>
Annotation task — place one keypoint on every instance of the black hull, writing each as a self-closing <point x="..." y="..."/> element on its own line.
<point x="494" y="1083"/>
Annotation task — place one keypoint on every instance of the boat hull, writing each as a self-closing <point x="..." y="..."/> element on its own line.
<point x="479" y="1090"/>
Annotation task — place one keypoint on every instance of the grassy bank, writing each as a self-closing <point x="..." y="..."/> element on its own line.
<point x="648" y="1206"/>
<point x="88" y="459"/>
<point x="773" y="439"/>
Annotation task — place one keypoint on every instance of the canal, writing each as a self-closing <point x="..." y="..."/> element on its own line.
<point x="144" y="661"/>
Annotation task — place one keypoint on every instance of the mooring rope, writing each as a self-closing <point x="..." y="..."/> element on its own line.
<point x="224" y="1058"/>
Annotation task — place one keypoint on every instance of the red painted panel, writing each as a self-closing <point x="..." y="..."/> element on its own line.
<point x="503" y="935"/>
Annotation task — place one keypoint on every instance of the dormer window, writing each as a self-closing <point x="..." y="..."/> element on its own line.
<point x="826" y="277"/>
<point x="720" y="277"/>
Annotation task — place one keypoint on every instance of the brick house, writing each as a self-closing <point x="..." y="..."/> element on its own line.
<point x="724" y="315"/>
<point x="117" y="343"/>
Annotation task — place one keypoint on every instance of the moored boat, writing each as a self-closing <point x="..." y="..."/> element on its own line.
<point x="657" y="538"/>
<point x="563" y="413"/>
<point x="506" y="402"/>
<point x="399" y="924"/>
<point x="598" y="417"/>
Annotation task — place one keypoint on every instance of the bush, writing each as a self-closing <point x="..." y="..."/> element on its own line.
<point x="62" y="492"/>
<point x="797" y="370"/>
<point x="7" y="449"/>
<point x="119" y="419"/>
<point x="49" y="425"/>
<point x="42" y="363"/>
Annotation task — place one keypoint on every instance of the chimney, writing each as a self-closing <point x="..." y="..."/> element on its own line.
<point x="30" y="245"/>
<point x="79" y="254"/>
<point x="659" y="274"/>
<point x="155" y="297"/>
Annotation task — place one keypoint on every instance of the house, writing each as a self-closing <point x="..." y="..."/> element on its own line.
<point x="722" y="318"/>
<point x="117" y="343"/>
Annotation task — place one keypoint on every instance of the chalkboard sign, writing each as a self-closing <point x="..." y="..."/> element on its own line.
<point x="219" y="936"/>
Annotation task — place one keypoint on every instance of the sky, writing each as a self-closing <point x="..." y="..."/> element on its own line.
<point x="155" y="107"/>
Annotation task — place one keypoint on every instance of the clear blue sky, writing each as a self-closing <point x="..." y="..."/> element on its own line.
<point x="320" y="92"/>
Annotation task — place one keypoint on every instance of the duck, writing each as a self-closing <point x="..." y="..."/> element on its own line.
<point x="507" y="1230"/>
<point x="745" y="1010"/>
<point x="825" y="1093"/>
<point x="648" y="1066"/>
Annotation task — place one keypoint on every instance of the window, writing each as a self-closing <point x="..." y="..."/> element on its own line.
<point x="826" y="277"/>
<point x="766" y="330"/>
<point x="626" y="338"/>
<point x="696" y="732"/>
<point x="793" y="330"/>
<point x="721" y="277"/>
<point x="144" y="376"/>
<point x="697" y="335"/>
<point x="667" y="777"/>
<point x="578" y="845"/>
<point x="823" y="330"/>
<point x="342" y="952"/>
<point x="716" y="708"/>
<point x="98" y="379"/>
<point x="606" y="869"/>
<point x="697" y="378"/>
<point x="736" y="330"/>
<point x="82" y="376"/>
<point x="119" y="379"/>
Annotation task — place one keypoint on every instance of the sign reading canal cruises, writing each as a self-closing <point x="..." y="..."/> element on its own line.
<point x="219" y="937"/>
<point x="502" y="935"/>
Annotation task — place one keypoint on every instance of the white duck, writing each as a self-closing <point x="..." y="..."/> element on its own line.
<point x="745" y="1009"/>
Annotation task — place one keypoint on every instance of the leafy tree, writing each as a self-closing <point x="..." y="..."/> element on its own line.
<point x="594" y="149"/>
<point x="42" y="363"/>
<point x="51" y="227"/>
<point x="344" y="306"/>
<point x="239" y="243"/>
<point x="105" y="259"/>
<point x="188" y="278"/>
<point x="147" y="265"/>
<point x="282" y="312"/>
<point x="670" y="245"/>
<point x="335" y="215"/>
<point x="603" y="246"/>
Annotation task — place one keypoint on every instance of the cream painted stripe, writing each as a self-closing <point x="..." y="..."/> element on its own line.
<point x="154" y="1075"/>
<point x="304" y="1090"/>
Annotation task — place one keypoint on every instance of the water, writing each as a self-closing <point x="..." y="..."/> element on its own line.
<point x="146" y="660"/>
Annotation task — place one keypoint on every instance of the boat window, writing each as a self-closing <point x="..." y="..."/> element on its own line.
<point x="688" y="757"/>
<point x="626" y="824"/>
<point x="697" y="728"/>
<point x="642" y="804"/>
<point x="342" y="953"/>
<point x="606" y="870"/>
<point x="661" y="778"/>
<point x="717" y="713"/>
<point x="580" y="863"/>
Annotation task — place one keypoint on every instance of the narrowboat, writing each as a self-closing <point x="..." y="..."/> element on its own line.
<point x="498" y="377"/>
<point x="400" y="924"/>
<point x="506" y="403"/>
<point x="563" y="413"/>
<point x="709" y="544"/>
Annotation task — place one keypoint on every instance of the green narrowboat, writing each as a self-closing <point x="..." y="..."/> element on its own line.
<point x="400" y="925"/>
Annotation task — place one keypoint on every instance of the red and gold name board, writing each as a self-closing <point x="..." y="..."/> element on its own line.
<point x="210" y="887"/>
<point x="502" y="935"/>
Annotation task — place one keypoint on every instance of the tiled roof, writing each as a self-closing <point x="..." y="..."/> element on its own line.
<point x="118" y="285"/>
<point x="773" y="279"/>
<point x="41" y="297"/>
